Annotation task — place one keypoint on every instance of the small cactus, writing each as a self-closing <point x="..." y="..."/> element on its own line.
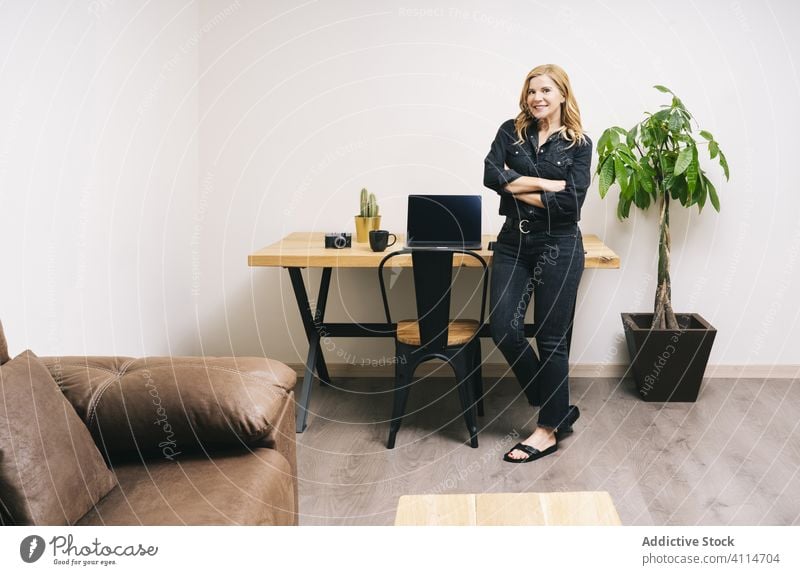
<point x="372" y="206"/>
<point x="363" y="212"/>
<point x="369" y="205"/>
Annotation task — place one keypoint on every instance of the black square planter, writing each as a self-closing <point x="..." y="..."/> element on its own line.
<point x="668" y="365"/>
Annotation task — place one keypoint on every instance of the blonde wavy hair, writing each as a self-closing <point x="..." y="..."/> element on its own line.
<point x="571" y="128"/>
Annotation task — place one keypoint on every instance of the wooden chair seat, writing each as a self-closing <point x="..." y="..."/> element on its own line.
<point x="459" y="332"/>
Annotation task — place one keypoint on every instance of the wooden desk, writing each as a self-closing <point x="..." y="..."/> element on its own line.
<point x="306" y="250"/>
<point x="571" y="508"/>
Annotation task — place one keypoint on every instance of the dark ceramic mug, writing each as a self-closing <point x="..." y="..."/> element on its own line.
<point x="379" y="240"/>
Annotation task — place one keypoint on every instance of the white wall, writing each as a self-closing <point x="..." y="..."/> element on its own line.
<point x="137" y="224"/>
<point x="98" y="173"/>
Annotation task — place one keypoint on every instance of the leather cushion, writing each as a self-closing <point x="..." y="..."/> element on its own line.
<point x="51" y="472"/>
<point x="235" y="487"/>
<point x="3" y="346"/>
<point x="167" y="406"/>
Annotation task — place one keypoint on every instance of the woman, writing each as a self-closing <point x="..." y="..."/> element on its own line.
<point x="539" y="164"/>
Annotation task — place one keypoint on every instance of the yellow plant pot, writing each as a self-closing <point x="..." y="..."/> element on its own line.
<point x="364" y="225"/>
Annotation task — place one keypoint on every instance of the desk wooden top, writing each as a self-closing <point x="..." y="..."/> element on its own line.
<point x="570" y="508"/>
<point x="307" y="250"/>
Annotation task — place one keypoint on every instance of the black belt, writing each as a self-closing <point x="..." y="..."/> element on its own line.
<point x="525" y="226"/>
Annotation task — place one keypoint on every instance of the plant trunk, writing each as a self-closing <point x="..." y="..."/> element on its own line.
<point x="663" y="316"/>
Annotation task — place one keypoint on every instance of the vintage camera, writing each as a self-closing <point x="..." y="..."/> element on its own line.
<point x="338" y="241"/>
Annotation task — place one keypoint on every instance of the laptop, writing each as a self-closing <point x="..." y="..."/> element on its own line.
<point x="438" y="221"/>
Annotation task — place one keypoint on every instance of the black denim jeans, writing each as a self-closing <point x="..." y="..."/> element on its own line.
<point x="545" y="266"/>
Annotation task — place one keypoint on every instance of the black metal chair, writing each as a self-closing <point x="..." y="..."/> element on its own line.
<point x="434" y="335"/>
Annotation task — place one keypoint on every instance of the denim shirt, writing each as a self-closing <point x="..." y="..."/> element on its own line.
<point x="553" y="160"/>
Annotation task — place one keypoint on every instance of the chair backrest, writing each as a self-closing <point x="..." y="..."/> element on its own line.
<point x="433" y="279"/>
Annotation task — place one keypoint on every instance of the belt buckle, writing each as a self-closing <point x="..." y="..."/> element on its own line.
<point x="520" y="226"/>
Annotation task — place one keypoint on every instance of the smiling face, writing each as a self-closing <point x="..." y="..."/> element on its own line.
<point x="544" y="100"/>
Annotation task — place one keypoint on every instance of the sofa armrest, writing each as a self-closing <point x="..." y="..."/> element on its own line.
<point x="164" y="406"/>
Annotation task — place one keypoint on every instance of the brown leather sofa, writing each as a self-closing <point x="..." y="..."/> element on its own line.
<point x="190" y="440"/>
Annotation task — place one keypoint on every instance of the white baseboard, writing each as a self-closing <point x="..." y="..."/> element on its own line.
<point x="587" y="370"/>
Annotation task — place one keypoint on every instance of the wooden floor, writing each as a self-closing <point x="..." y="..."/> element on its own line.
<point x="731" y="458"/>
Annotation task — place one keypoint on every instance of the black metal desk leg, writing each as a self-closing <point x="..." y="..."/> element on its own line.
<point x="301" y="410"/>
<point x="311" y="321"/>
<point x="319" y="319"/>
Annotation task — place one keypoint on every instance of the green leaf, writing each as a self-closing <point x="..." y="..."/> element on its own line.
<point x="602" y="143"/>
<point x="626" y="154"/>
<point x="713" y="149"/>
<point x="633" y="184"/>
<point x="676" y="103"/>
<point x="675" y="123"/>
<point x="606" y="176"/>
<point x="707" y="135"/>
<point x="680" y="191"/>
<point x="640" y="197"/>
<point x="712" y="193"/>
<point x="663" y="89"/>
<point x="621" y="175"/>
<point x="683" y="161"/>
<point x="631" y="137"/>
<point x="724" y="163"/>
<point x="702" y="192"/>
<point x="691" y="180"/>
<point x="668" y="162"/>
<point x="645" y="199"/>
<point x="647" y="176"/>
<point x="623" y="208"/>
<point x="691" y="174"/>
<point x="667" y="184"/>
<point x="647" y="184"/>
<point x="661" y="116"/>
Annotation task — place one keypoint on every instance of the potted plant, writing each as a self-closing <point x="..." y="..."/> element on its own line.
<point x="369" y="218"/>
<point x="657" y="161"/>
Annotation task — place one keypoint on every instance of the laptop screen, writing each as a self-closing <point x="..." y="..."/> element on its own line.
<point x="444" y="221"/>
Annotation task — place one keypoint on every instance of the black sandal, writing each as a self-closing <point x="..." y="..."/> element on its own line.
<point x="533" y="453"/>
